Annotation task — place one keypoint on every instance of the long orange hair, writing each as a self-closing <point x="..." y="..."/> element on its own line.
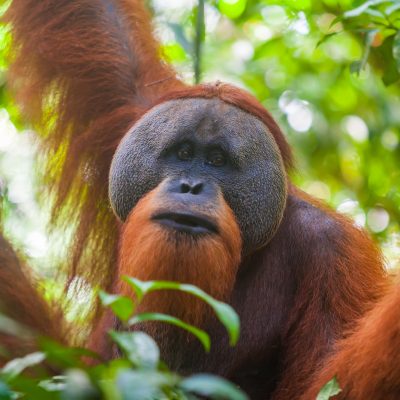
<point x="150" y="252"/>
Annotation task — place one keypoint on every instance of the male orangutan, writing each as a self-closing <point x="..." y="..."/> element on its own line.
<point x="197" y="179"/>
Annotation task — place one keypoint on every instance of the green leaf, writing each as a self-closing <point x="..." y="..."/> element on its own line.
<point x="212" y="387"/>
<point x="391" y="74"/>
<point x="144" y="385"/>
<point x="396" y="50"/>
<point x="141" y="350"/>
<point x="336" y="20"/>
<point x="141" y="288"/>
<point x="25" y="387"/>
<point x="121" y="306"/>
<point x="331" y="389"/>
<point x="300" y="5"/>
<point x="65" y="357"/>
<point x="225" y="313"/>
<point x="393" y="8"/>
<point x="106" y="375"/>
<point x="174" y="52"/>
<point x="232" y="8"/>
<point x="78" y="386"/>
<point x="54" y="384"/>
<point x="5" y="392"/>
<point x="325" y="38"/>
<point x="229" y="319"/>
<point x="361" y="9"/>
<point x="16" y="366"/>
<point x="375" y="13"/>
<point x="200" y="334"/>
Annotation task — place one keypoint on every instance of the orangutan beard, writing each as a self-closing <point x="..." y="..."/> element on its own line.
<point x="150" y="251"/>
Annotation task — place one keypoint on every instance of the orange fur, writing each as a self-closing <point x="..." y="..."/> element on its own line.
<point x="83" y="72"/>
<point x="151" y="252"/>
<point x="343" y="280"/>
<point x="95" y="66"/>
<point x="367" y="362"/>
<point x="20" y="302"/>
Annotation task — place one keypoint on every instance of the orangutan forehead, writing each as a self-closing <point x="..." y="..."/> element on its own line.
<point x="202" y="107"/>
<point x="204" y="116"/>
<point x="206" y="119"/>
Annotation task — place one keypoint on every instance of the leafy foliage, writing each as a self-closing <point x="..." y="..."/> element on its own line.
<point x="139" y="375"/>
<point x="226" y="315"/>
<point x="329" y="72"/>
<point x="331" y="389"/>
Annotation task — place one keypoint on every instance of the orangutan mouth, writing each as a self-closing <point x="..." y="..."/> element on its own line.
<point x="193" y="224"/>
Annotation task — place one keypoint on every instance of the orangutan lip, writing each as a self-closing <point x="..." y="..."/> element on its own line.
<point x="186" y="222"/>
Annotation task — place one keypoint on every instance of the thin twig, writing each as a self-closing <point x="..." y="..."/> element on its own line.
<point x="198" y="41"/>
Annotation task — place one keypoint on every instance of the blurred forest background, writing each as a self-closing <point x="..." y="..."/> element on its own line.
<point x="328" y="70"/>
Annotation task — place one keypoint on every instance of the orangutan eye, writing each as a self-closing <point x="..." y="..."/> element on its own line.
<point x="216" y="158"/>
<point x="185" y="152"/>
